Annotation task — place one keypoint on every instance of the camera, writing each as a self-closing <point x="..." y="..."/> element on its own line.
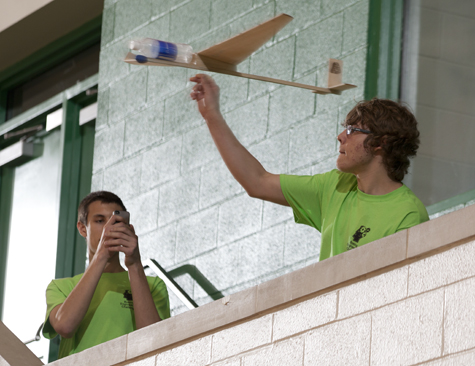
<point x="124" y="214"/>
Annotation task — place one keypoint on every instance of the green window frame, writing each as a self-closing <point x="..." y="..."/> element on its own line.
<point x="383" y="73"/>
<point x="76" y="148"/>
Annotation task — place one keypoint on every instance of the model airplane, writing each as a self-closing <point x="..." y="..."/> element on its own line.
<point x="225" y="56"/>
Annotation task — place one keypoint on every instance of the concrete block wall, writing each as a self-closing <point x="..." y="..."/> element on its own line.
<point x="153" y="149"/>
<point x="406" y="299"/>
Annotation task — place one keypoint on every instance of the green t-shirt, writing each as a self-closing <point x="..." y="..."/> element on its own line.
<point x="347" y="217"/>
<point x="110" y="314"/>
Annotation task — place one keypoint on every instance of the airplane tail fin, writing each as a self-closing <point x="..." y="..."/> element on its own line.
<point x="335" y="77"/>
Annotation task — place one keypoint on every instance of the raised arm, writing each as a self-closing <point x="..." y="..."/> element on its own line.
<point x="66" y="317"/>
<point x="243" y="166"/>
<point x="122" y="238"/>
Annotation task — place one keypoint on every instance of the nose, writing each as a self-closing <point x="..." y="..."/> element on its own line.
<point x="341" y="136"/>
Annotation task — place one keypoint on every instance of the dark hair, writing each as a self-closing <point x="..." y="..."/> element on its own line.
<point x="394" y="129"/>
<point x="102" y="196"/>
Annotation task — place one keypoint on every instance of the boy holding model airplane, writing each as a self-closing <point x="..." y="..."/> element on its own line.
<point x="364" y="200"/>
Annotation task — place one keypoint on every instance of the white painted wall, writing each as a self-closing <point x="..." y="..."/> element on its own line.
<point x="15" y="10"/>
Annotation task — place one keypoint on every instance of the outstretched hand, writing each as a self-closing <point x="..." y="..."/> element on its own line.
<point x="206" y="93"/>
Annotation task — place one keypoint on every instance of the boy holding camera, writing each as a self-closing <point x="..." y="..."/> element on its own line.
<point x="106" y="301"/>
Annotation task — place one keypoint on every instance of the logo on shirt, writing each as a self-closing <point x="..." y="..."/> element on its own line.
<point x="127" y="303"/>
<point x="357" y="236"/>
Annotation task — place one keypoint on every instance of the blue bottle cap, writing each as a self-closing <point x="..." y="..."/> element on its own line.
<point x="141" y="59"/>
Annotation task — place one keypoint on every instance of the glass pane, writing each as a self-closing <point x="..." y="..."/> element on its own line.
<point x="32" y="243"/>
<point x="438" y="83"/>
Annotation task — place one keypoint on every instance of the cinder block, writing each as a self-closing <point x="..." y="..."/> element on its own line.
<point x="325" y="165"/>
<point x="157" y="28"/>
<point x="439" y="232"/>
<point x="166" y="81"/>
<point x="107" y="30"/>
<point x="249" y="122"/>
<point x="290" y="105"/>
<point x="102" y="108"/>
<point x="162" y="163"/>
<point x="196" y="234"/>
<point x="237" y="339"/>
<point x="193" y="353"/>
<point x="354" y="72"/>
<point x="181" y="114"/>
<point x="289" y="352"/>
<point x="217" y="184"/>
<point x="409" y="331"/>
<point x="460" y="359"/>
<point x="341" y="343"/>
<point x="127" y="95"/>
<point x="198" y="148"/>
<point x="261" y="253"/>
<point x="179" y="197"/>
<point x="373" y="293"/>
<point x="274" y="214"/>
<point x="124" y="178"/>
<point x="312" y="141"/>
<point x="459" y="322"/>
<point x="335" y="6"/>
<point x="442" y="269"/>
<point x="239" y="217"/>
<point x="218" y="266"/>
<point x="143" y="211"/>
<point x="355" y="26"/>
<point x="304" y="13"/>
<point x="108" y="146"/>
<point x="96" y="182"/>
<point x="130" y="14"/>
<point x="275" y="61"/>
<point x="144" y="129"/>
<point x="305" y="316"/>
<point x="318" y="43"/>
<point x="111" y="66"/>
<point x="301" y="242"/>
<point x="232" y="90"/>
<point x="223" y="11"/>
<point x="230" y="362"/>
<point x="273" y="153"/>
<point x="159" y="245"/>
<point x="189" y="21"/>
<point x="146" y="362"/>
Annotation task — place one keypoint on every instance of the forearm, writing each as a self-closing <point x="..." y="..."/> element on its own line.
<point x="144" y="307"/>
<point x="67" y="317"/>
<point x="245" y="168"/>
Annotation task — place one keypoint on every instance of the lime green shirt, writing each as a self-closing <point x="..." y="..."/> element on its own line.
<point x="110" y="314"/>
<point x="346" y="217"/>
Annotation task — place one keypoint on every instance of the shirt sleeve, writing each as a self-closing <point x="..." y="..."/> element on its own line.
<point x="304" y="194"/>
<point x="54" y="297"/>
<point x="160" y="297"/>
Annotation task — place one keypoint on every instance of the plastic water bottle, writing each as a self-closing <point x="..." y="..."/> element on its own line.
<point x="153" y="48"/>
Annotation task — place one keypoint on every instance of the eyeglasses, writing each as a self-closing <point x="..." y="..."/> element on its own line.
<point x="350" y="129"/>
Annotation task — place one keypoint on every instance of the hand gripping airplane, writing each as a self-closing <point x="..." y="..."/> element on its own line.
<point x="225" y="56"/>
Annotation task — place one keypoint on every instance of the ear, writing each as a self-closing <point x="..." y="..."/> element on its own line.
<point x="82" y="229"/>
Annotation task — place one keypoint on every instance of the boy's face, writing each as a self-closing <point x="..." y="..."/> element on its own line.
<point x="353" y="157"/>
<point x="98" y="215"/>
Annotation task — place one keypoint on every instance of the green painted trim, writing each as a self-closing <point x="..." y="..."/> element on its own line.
<point x="461" y="199"/>
<point x="384" y="49"/>
<point x="6" y="197"/>
<point x="56" y="52"/>
<point x="70" y="174"/>
<point x="50" y="104"/>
